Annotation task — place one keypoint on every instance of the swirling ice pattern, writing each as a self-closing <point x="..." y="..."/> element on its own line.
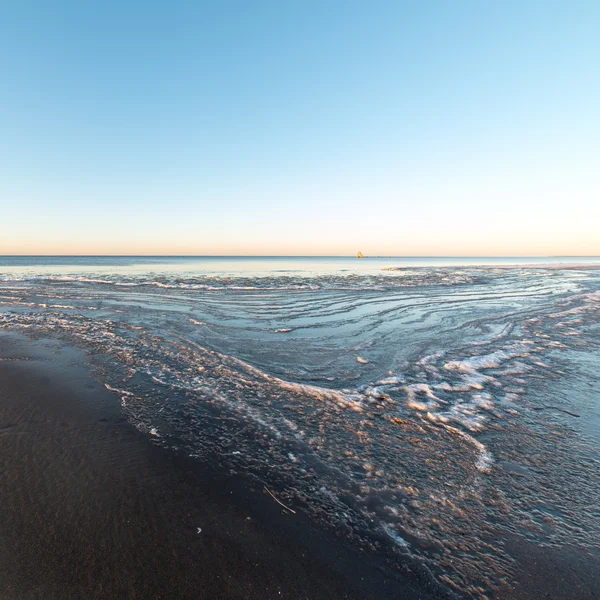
<point x="395" y="409"/>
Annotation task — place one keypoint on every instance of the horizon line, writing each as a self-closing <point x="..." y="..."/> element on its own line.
<point x="299" y="256"/>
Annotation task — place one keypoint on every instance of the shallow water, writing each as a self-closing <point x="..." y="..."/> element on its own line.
<point x="421" y="407"/>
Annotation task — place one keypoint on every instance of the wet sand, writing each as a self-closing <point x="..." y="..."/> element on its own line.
<point x="566" y="573"/>
<point x="90" y="508"/>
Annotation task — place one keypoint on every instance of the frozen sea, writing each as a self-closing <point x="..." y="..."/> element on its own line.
<point x="422" y="406"/>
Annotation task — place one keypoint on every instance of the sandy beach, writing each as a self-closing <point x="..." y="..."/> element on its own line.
<point x="92" y="509"/>
<point x="429" y="445"/>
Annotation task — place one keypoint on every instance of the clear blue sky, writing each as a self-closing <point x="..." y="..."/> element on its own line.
<point x="300" y="127"/>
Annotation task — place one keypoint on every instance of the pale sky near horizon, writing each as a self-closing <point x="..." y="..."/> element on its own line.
<point x="300" y="127"/>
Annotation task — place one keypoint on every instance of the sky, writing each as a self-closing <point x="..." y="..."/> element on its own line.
<point x="289" y="127"/>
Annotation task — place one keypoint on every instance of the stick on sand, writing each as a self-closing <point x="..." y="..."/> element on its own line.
<point x="278" y="501"/>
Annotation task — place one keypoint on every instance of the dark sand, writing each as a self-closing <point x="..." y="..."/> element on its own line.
<point x="567" y="573"/>
<point x="90" y="508"/>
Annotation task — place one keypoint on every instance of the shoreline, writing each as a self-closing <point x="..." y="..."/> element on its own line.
<point x="91" y="508"/>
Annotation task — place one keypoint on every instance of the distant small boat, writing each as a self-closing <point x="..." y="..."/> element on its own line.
<point x="360" y="255"/>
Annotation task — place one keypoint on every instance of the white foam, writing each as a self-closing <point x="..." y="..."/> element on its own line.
<point x="394" y="380"/>
<point x="416" y="390"/>
<point x="199" y="323"/>
<point x="485" y="459"/>
<point x="398" y="540"/>
<point x="117" y="390"/>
